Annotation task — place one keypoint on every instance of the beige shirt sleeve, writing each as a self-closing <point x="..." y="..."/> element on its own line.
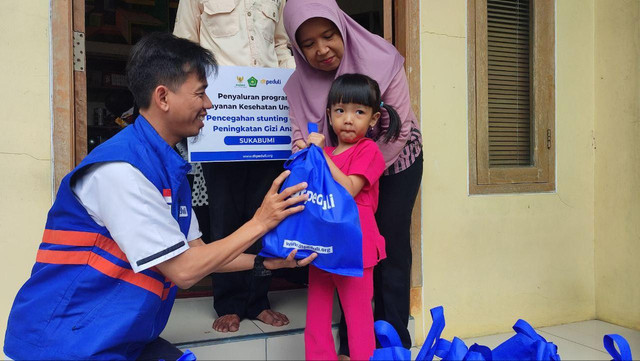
<point x="188" y="20"/>
<point x="282" y="43"/>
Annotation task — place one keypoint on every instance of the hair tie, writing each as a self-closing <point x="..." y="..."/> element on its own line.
<point x="381" y="104"/>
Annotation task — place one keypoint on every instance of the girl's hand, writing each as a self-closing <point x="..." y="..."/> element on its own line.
<point x="289" y="262"/>
<point x="317" y="139"/>
<point x="277" y="206"/>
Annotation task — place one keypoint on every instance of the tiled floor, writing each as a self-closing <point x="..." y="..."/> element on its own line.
<point x="190" y="328"/>
<point x="191" y="319"/>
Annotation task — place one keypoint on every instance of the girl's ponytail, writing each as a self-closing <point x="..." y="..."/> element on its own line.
<point x="393" y="132"/>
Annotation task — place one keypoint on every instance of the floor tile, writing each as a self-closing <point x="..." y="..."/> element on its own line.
<point x="288" y="347"/>
<point x="191" y="320"/>
<point x="572" y="350"/>
<point x="238" y="350"/>
<point x="490" y="341"/>
<point x="291" y="346"/>
<point x="590" y="333"/>
<point x="414" y="352"/>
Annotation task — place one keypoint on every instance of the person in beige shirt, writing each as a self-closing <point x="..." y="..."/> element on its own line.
<point x="239" y="33"/>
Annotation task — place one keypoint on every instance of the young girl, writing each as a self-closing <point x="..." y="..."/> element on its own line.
<point x="353" y="108"/>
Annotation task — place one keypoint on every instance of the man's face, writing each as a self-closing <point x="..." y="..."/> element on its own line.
<point x="187" y="107"/>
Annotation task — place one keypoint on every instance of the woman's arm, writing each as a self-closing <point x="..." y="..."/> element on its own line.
<point x="297" y="139"/>
<point x="396" y="95"/>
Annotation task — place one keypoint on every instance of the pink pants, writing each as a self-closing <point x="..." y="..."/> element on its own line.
<point x="355" y="296"/>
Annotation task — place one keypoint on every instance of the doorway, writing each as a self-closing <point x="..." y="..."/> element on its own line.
<point x="91" y="42"/>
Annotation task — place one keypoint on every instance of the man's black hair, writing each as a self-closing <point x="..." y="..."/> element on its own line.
<point x="361" y="89"/>
<point x="164" y="59"/>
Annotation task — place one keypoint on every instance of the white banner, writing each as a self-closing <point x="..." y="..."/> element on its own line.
<point x="249" y="119"/>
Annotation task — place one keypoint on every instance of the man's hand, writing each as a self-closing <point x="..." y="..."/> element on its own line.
<point x="278" y="206"/>
<point x="289" y="262"/>
<point x="316" y="138"/>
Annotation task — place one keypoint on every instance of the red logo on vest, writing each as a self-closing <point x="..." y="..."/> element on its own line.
<point x="166" y="193"/>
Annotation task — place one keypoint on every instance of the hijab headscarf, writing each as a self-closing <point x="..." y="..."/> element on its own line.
<point x="364" y="52"/>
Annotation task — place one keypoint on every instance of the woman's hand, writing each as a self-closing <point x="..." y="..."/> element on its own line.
<point x="316" y="138"/>
<point x="277" y="206"/>
<point x="299" y="145"/>
<point x="289" y="262"/>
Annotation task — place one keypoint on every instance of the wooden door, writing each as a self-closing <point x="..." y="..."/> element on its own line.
<point x="69" y="86"/>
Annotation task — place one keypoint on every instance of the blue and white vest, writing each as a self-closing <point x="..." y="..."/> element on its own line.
<point x="83" y="300"/>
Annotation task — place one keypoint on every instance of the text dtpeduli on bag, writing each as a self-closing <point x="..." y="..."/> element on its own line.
<point x="329" y="225"/>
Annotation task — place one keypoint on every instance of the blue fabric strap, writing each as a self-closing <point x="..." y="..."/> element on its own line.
<point x="428" y="349"/>
<point x="187" y="356"/>
<point x="525" y="328"/>
<point x="386" y="334"/>
<point x="610" y="342"/>
<point x="391" y="344"/>
<point x="484" y="353"/>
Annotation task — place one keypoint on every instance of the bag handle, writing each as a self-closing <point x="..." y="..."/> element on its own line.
<point x="386" y="334"/>
<point x="525" y="328"/>
<point x="428" y="349"/>
<point x="610" y="342"/>
<point x="312" y="128"/>
<point x="294" y="156"/>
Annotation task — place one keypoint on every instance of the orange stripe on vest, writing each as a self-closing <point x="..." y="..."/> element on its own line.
<point x="63" y="257"/>
<point x="102" y="265"/>
<point x="69" y="238"/>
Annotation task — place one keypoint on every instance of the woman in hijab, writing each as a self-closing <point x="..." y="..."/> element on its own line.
<point x="328" y="43"/>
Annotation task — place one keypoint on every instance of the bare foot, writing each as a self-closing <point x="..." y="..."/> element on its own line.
<point x="343" y="358"/>
<point x="227" y="323"/>
<point x="273" y="318"/>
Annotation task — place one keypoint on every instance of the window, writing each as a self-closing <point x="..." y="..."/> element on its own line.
<point x="511" y="96"/>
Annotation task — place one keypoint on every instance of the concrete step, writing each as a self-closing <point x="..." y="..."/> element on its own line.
<point x="190" y="323"/>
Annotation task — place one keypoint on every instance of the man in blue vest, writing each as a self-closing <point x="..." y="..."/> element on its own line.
<point x="121" y="234"/>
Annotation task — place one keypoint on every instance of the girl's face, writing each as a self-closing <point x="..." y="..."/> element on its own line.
<point x="351" y="121"/>
<point x="321" y="43"/>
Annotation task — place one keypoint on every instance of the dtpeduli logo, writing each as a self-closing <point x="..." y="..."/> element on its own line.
<point x="270" y="81"/>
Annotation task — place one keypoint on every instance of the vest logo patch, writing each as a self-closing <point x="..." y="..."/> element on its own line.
<point x="166" y="193"/>
<point x="183" y="211"/>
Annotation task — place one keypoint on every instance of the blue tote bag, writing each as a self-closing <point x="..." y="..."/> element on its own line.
<point x="329" y="224"/>
<point x="525" y="345"/>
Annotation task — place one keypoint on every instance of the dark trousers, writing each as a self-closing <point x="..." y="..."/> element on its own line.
<point x="236" y="190"/>
<point x="160" y="349"/>
<point x="391" y="276"/>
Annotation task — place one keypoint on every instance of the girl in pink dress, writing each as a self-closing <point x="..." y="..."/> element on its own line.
<point x="327" y="43"/>
<point x="353" y="108"/>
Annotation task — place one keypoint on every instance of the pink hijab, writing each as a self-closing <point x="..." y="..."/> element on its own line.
<point x="364" y="52"/>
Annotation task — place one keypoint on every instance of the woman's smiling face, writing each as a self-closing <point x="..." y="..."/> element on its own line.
<point x="321" y="43"/>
